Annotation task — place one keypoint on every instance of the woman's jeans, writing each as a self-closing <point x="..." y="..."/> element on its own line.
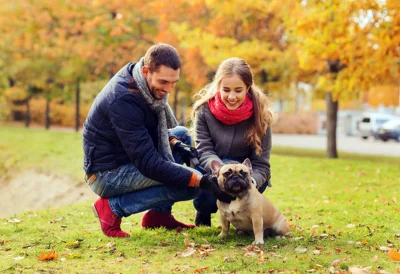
<point x="205" y="203"/>
<point x="130" y="192"/>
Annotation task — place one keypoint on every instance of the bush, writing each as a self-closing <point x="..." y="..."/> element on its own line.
<point x="296" y="123"/>
<point x="60" y="114"/>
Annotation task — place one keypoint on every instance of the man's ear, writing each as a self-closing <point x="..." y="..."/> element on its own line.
<point x="145" y="71"/>
<point x="215" y="166"/>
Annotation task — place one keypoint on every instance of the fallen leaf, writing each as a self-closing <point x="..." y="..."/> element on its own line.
<point x="52" y="255"/>
<point x="301" y="249"/>
<point x="394" y="255"/>
<point x="201" y="269"/>
<point x="364" y="241"/>
<point x="188" y="243"/>
<point x="261" y="257"/>
<point x="119" y="259"/>
<point x="18" y="258"/>
<point x="15" y="221"/>
<point x="252" y="250"/>
<point x="188" y="252"/>
<point x="335" y="263"/>
<point x="374" y="259"/>
<point x="394" y="200"/>
<point x="75" y="244"/>
<point x="359" y="270"/>
<point x="110" y="244"/>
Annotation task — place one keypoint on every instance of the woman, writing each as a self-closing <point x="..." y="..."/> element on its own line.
<point x="232" y="121"/>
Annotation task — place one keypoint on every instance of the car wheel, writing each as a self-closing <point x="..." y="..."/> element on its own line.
<point x="364" y="137"/>
<point x="385" y="139"/>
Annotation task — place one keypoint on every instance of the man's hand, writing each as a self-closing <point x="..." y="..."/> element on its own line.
<point x="209" y="182"/>
<point x="185" y="151"/>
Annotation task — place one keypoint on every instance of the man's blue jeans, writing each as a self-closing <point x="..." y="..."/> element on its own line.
<point x="130" y="192"/>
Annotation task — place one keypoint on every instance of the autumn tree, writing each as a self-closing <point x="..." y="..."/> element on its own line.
<point x="342" y="42"/>
<point x="254" y="31"/>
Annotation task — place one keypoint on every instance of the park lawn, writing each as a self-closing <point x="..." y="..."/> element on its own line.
<point x="345" y="214"/>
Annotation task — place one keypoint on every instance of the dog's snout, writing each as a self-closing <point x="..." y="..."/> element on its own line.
<point x="235" y="176"/>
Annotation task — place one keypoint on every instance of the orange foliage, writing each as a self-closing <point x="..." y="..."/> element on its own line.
<point x="385" y="95"/>
<point x="60" y="114"/>
<point x="52" y="255"/>
<point x="394" y="255"/>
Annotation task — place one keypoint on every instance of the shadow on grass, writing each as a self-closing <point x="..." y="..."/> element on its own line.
<point x="313" y="153"/>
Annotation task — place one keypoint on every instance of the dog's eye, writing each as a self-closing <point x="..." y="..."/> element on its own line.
<point x="227" y="173"/>
<point x="243" y="173"/>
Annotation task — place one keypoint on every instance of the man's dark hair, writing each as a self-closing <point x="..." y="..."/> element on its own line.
<point x="162" y="54"/>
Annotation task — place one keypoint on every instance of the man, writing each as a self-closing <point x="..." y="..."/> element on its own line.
<point x="132" y="147"/>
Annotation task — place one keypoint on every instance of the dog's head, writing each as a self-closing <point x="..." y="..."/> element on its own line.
<point x="233" y="177"/>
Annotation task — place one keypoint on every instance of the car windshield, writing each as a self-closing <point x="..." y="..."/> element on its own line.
<point x="392" y="124"/>
<point x="381" y="121"/>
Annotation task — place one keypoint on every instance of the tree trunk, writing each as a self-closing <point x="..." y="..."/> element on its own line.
<point x="28" y="113"/>
<point x="331" y="122"/>
<point x="77" y="104"/>
<point x="47" y="114"/>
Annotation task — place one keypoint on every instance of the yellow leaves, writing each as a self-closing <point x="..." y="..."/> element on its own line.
<point x="16" y="93"/>
<point x="51" y="255"/>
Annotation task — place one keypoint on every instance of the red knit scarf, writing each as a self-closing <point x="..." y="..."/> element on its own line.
<point x="227" y="116"/>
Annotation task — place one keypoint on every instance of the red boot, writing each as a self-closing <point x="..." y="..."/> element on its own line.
<point x="154" y="219"/>
<point x="110" y="224"/>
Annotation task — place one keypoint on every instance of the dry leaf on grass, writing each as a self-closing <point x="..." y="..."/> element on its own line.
<point x="15" y="221"/>
<point x="188" y="252"/>
<point x="75" y="244"/>
<point x="359" y="270"/>
<point x="394" y="255"/>
<point x="52" y="255"/>
<point x="201" y="269"/>
<point x="253" y="250"/>
<point x="300" y="249"/>
<point x="110" y="244"/>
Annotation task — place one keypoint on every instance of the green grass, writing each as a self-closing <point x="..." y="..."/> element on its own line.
<point x="45" y="151"/>
<point x="348" y="209"/>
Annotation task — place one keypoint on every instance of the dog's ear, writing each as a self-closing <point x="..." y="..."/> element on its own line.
<point x="247" y="163"/>
<point x="215" y="166"/>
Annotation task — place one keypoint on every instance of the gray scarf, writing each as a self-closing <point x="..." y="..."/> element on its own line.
<point x="166" y="118"/>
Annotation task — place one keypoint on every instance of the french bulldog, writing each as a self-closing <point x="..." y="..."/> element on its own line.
<point x="250" y="211"/>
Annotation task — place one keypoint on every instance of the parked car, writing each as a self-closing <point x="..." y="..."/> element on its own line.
<point x="371" y="122"/>
<point x="389" y="130"/>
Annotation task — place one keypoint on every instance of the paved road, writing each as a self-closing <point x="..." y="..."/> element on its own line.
<point x="344" y="144"/>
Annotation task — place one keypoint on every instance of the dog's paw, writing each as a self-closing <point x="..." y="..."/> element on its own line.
<point x="222" y="235"/>
<point x="258" y="242"/>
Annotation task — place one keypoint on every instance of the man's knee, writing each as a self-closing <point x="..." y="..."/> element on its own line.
<point x="183" y="134"/>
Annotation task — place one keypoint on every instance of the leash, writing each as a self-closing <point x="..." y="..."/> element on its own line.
<point x="196" y="164"/>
